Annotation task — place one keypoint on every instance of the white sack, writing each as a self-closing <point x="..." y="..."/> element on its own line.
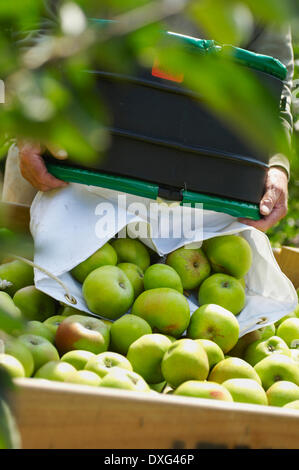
<point x="63" y="227"/>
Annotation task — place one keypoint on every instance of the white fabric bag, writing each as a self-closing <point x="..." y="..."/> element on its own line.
<point x="65" y="228"/>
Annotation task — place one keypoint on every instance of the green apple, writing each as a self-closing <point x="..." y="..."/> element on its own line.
<point x="17" y="349"/>
<point x="104" y="362"/>
<point x="282" y="392"/>
<point x="216" y="324"/>
<point x="243" y="342"/>
<point x="295" y="354"/>
<point x="125" y="380"/>
<point x="38" y="328"/>
<point x="11" y="318"/>
<point x="267" y="331"/>
<point x="55" y="370"/>
<point x="146" y="354"/>
<point x="233" y="368"/>
<point x="185" y="360"/>
<point x="135" y="276"/>
<point x="229" y="254"/>
<point x="132" y="251"/>
<point x="158" y="387"/>
<point x="289" y="332"/>
<point x="275" y="368"/>
<point x="67" y="311"/>
<point x="191" y="265"/>
<point x="293" y="405"/>
<point x="41" y="349"/>
<point x="263" y="348"/>
<point x="78" y="358"/>
<point x="246" y="391"/>
<point x="53" y="323"/>
<point x="81" y="332"/>
<point x="166" y="310"/>
<point x="223" y="290"/>
<point x="106" y="255"/>
<point x="203" y="389"/>
<point x="18" y="273"/>
<point x="126" y="330"/>
<point x="84" y="377"/>
<point x="34" y="304"/>
<point x="108" y="292"/>
<point x="161" y="275"/>
<point x="213" y="351"/>
<point x="12" y="366"/>
<point x="286" y="317"/>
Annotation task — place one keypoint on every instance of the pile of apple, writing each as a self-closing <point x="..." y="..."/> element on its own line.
<point x="157" y="347"/>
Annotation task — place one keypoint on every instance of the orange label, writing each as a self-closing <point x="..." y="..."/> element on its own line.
<point x="158" y="72"/>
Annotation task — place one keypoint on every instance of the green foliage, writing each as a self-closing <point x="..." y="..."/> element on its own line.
<point x="286" y="232"/>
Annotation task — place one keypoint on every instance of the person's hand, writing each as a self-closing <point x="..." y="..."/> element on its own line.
<point x="274" y="204"/>
<point x="33" y="168"/>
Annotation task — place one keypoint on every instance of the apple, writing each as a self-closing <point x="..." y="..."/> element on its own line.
<point x="246" y="391"/>
<point x="12" y="365"/>
<point x="81" y="332"/>
<point x="166" y="310"/>
<point x="213" y="351"/>
<point x="41" y="349"/>
<point x="55" y="370"/>
<point x="289" y="332"/>
<point x="78" y="358"/>
<point x="295" y="354"/>
<point x="135" y="276"/>
<point x="202" y="389"/>
<point x="67" y="311"/>
<point x="104" y="362"/>
<point x="38" y="328"/>
<point x="34" y="304"/>
<point x="185" y="360"/>
<point x="216" y="324"/>
<point x="158" y="387"/>
<point x="263" y="348"/>
<point x="243" y="342"/>
<point x="132" y="251"/>
<point x="84" y="377"/>
<point x="286" y="317"/>
<point x="18" y="273"/>
<point x="126" y="330"/>
<point x="282" y="392"/>
<point x="106" y="255"/>
<point x="53" y="323"/>
<point x="146" y="354"/>
<point x="17" y="349"/>
<point x="223" y="290"/>
<point x="233" y="368"/>
<point x="191" y="265"/>
<point x="11" y="318"/>
<point x="125" y="380"/>
<point x="293" y="405"/>
<point x="108" y="292"/>
<point x="275" y="368"/>
<point x="229" y="254"/>
<point x="161" y="275"/>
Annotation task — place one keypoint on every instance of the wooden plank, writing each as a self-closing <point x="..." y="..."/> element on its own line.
<point x="288" y="260"/>
<point x="54" y="415"/>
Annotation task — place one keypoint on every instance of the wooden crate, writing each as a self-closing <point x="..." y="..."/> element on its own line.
<point x="288" y="260"/>
<point x="54" y="415"/>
